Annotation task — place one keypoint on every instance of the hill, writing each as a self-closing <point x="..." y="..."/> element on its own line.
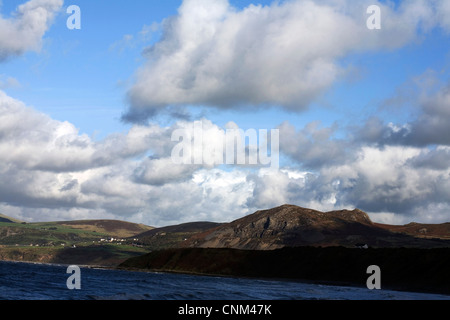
<point x="110" y="241"/>
<point x="66" y="233"/>
<point x="308" y="245"/>
<point x="420" y="230"/>
<point x="113" y="228"/>
<point x="90" y="242"/>
<point x="7" y="219"/>
<point x="173" y="236"/>
<point x="293" y="226"/>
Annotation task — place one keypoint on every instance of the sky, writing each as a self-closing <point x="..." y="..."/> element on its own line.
<point x="87" y="115"/>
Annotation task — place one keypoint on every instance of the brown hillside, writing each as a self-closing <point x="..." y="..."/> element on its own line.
<point x="172" y="236"/>
<point x="191" y="227"/>
<point x="421" y="230"/>
<point x="114" y="228"/>
<point x="292" y="226"/>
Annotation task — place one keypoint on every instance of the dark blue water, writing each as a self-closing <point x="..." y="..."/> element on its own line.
<point x="21" y="281"/>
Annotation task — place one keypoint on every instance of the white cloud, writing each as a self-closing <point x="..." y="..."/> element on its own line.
<point x="313" y="146"/>
<point x="162" y="171"/>
<point x="224" y="194"/>
<point x="286" y="54"/>
<point x="47" y="164"/>
<point x="383" y="180"/>
<point x="51" y="172"/>
<point x="443" y="12"/>
<point x="24" y="31"/>
<point x="35" y="141"/>
<point x="431" y="98"/>
<point x="271" y="190"/>
<point x="394" y="184"/>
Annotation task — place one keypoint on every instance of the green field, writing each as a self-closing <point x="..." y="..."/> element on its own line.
<point x="45" y="234"/>
<point x="93" y="242"/>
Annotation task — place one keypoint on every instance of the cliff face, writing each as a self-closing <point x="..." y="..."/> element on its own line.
<point x="293" y="226"/>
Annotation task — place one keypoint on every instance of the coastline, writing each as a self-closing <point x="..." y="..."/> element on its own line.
<point x="56" y="264"/>
<point x="192" y="273"/>
<point x="327" y="266"/>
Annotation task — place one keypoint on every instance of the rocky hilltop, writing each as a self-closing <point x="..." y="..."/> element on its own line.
<point x="293" y="226"/>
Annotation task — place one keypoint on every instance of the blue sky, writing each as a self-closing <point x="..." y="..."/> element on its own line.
<point x="359" y="91"/>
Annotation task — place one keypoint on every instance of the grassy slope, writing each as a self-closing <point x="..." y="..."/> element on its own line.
<point x="4" y="218"/>
<point x="173" y="236"/>
<point x="75" y="242"/>
<point x="44" y="234"/>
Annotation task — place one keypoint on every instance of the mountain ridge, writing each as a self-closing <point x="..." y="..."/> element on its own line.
<point x="291" y="226"/>
<point x="290" y="242"/>
<point x="96" y="241"/>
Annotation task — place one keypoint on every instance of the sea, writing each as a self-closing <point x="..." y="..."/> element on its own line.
<point x="29" y="281"/>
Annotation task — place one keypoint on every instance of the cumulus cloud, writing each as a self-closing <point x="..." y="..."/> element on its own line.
<point x="35" y="141"/>
<point x="162" y="171"/>
<point x="285" y="54"/>
<point x="25" y="29"/>
<point x="443" y="13"/>
<point x="436" y="158"/>
<point x="46" y="163"/>
<point x="385" y="182"/>
<point x="313" y="146"/>
<point x="398" y="173"/>
<point x="212" y="54"/>
<point x="430" y="127"/>
<point x="51" y="171"/>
